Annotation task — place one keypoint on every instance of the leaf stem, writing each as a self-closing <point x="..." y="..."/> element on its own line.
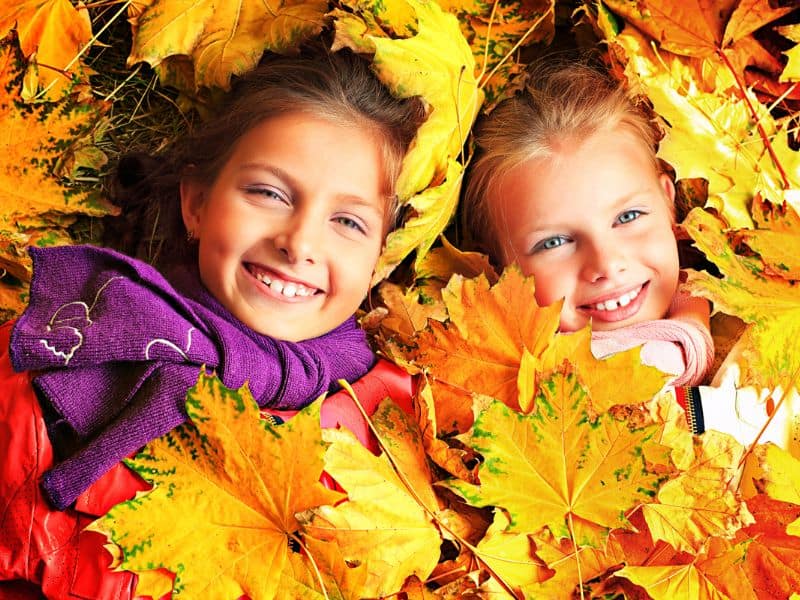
<point x="520" y="41"/>
<point x="507" y="588"/>
<point x="778" y="404"/>
<point x="317" y="573"/>
<point x="759" y="126"/>
<point x="575" y="549"/>
<point x="488" y="38"/>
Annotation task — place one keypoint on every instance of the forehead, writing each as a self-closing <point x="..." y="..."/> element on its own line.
<point x="580" y="174"/>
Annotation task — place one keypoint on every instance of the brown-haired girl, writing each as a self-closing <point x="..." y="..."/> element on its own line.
<point x="281" y="204"/>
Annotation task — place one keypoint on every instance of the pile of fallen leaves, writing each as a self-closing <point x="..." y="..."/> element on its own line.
<point x="528" y="468"/>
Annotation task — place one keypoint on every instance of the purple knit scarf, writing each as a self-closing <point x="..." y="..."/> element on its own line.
<point x="117" y="346"/>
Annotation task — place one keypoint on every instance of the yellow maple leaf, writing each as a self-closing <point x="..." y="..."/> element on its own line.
<point x="52" y="33"/>
<point x="510" y="555"/>
<point x="572" y="566"/>
<point x="701" y="501"/>
<point x="668" y="582"/>
<point x="557" y="464"/>
<point x="432" y="60"/>
<point x="432" y="210"/>
<point x="382" y="528"/>
<point x="792" y="70"/>
<point x="608" y="380"/>
<point x="227" y="489"/>
<point x="745" y="152"/>
<point x="767" y="350"/>
<point x="222" y="39"/>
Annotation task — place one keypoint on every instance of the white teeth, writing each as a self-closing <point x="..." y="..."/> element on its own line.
<point x="614" y="304"/>
<point x="288" y="289"/>
<point x="608" y="305"/>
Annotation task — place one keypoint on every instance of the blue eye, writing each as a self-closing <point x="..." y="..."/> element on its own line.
<point x="629" y="215"/>
<point x="267" y="193"/>
<point x="550" y="243"/>
<point x="350" y="223"/>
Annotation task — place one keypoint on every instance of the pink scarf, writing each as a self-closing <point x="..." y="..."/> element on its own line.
<point x="679" y="345"/>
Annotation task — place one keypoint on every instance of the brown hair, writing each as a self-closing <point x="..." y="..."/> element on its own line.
<point x="561" y="102"/>
<point x="339" y="87"/>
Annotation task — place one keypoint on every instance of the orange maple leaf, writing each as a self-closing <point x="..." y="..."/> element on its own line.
<point x="51" y="33"/>
<point x="227" y="488"/>
<point x="720" y="34"/>
<point x="772" y="560"/>
<point x="499" y="343"/>
<point x="480" y="348"/>
<point x="35" y="206"/>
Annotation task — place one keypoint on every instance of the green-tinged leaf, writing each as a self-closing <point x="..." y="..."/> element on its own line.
<point x="227" y="488"/>
<point x="556" y="463"/>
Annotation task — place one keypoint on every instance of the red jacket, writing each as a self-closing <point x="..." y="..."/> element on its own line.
<point x="45" y="551"/>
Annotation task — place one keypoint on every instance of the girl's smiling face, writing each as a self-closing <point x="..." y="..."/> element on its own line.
<point x="291" y="229"/>
<point x="594" y="226"/>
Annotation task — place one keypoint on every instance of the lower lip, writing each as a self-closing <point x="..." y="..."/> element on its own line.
<point x="265" y="290"/>
<point x="621" y="313"/>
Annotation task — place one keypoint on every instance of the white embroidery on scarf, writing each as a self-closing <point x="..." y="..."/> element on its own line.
<point x="183" y="353"/>
<point x="55" y="323"/>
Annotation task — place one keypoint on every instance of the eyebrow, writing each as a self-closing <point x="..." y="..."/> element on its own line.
<point x="294" y="185"/>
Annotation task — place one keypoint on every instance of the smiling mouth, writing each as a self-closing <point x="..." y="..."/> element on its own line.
<point x="290" y="289"/>
<point x="615" y="303"/>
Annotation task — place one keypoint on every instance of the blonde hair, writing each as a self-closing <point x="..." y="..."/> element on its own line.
<point x="561" y="103"/>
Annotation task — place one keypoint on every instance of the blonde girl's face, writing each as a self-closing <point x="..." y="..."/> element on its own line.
<point x="291" y="229"/>
<point x="594" y="226"/>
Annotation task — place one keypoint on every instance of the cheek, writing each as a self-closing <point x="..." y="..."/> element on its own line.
<point x="551" y="283"/>
<point x="355" y="265"/>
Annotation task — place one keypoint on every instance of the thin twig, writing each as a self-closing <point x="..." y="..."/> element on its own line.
<point x="414" y="494"/>
<point x="757" y="120"/>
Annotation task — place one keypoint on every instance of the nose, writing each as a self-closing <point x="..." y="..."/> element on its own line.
<point x="300" y="239"/>
<point x="603" y="260"/>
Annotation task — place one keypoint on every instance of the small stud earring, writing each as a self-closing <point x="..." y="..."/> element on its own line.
<point x="190" y="236"/>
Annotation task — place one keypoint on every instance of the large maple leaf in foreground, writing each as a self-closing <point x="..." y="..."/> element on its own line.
<point x="557" y="463"/>
<point x="227" y="488"/>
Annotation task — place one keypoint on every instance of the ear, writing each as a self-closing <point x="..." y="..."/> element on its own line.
<point x="668" y="186"/>
<point x="192" y="202"/>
